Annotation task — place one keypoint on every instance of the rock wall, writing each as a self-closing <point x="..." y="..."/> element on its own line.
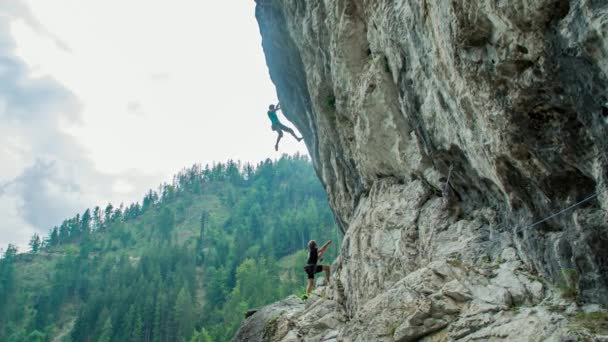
<point x="443" y="131"/>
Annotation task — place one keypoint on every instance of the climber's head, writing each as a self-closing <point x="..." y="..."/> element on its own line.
<point x="271" y="107"/>
<point x="312" y="244"/>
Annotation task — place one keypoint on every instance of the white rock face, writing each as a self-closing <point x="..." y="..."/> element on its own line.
<point x="389" y="95"/>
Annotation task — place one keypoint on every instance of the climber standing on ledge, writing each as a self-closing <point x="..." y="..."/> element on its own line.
<point x="311" y="265"/>
<point x="278" y="126"/>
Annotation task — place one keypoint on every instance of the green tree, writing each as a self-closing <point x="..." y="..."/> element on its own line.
<point x="36" y="336"/>
<point x="166" y="220"/>
<point x="54" y="237"/>
<point x="107" y="218"/>
<point x="85" y="222"/>
<point x="96" y="219"/>
<point x="201" y="336"/>
<point x="64" y="232"/>
<point x="106" y="331"/>
<point x="161" y="317"/>
<point x="138" y="327"/>
<point x="184" y="315"/>
<point x="7" y="275"/>
<point x="35" y="243"/>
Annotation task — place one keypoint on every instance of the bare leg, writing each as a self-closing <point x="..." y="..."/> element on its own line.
<point x="290" y="131"/>
<point x="276" y="146"/>
<point x="309" y="286"/>
<point x="326" y="269"/>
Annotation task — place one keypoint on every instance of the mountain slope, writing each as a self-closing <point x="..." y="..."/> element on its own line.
<point x="193" y="256"/>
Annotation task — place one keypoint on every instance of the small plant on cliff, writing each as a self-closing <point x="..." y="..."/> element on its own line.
<point x="485" y="259"/>
<point x="595" y="322"/>
<point x="569" y="286"/>
<point x="270" y="328"/>
<point x="556" y="308"/>
<point x="455" y="262"/>
<point x="392" y="328"/>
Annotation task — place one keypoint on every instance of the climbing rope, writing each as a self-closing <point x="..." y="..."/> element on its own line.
<point x="446" y="187"/>
<point x="563" y="210"/>
<point x="587" y="199"/>
<point x="447" y="183"/>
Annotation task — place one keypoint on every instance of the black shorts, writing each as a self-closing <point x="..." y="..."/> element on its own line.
<point x="279" y="127"/>
<point x="312" y="269"/>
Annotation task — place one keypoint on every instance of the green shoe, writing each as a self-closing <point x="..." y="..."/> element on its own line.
<point x="304" y="297"/>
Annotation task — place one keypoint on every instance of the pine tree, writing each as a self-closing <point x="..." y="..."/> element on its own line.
<point x="7" y="274"/>
<point x="85" y="222"/>
<point x="183" y="315"/>
<point x="158" y="330"/>
<point x="138" y="327"/>
<point x="106" y="331"/>
<point x="200" y="255"/>
<point x="128" y="322"/>
<point x="96" y="219"/>
<point x="36" y="336"/>
<point x="149" y="200"/>
<point x="166" y="221"/>
<point x="64" y="232"/>
<point x="118" y="213"/>
<point x="75" y="228"/>
<point x="148" y="315"/>
<point x="107" y="218"/>
<point x="35" y="243"/>
<point x="54" y="237"/>
<point x="201" y="336"/>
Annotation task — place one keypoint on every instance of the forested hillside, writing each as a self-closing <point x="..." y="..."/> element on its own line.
<point x="181" y="266"/>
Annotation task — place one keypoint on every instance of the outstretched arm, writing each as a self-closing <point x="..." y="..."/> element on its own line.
<point x="323" y="248"/>
<point x="278" y="106"/>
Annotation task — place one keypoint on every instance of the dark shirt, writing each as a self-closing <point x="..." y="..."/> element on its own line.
<point x="312" y="256"/>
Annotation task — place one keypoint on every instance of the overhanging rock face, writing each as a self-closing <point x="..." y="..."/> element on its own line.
<point x="509" y="95"/>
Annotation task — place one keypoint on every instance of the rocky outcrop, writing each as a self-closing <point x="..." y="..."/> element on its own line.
<point x="445" y="132"/>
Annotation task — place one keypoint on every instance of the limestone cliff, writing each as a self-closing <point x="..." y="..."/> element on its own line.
<point x="392" y="95"/>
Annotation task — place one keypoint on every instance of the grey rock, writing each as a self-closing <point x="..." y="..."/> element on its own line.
<point x="455" y="290"/>
<point x="264" y="324"/>
<point x="389" y="95"/>
<point x="250" y="312"/>
<point x="590" y="308"/>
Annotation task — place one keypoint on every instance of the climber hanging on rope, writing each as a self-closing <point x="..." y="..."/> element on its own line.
<point x="311" y="265"/>
<point x="278" y="126"/>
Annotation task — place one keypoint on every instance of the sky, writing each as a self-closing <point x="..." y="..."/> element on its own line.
<point x="102" y="100"/>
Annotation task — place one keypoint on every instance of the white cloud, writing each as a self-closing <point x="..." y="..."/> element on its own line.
<point x="46" y="174"/>
<point x="13" y="228"/>
<point x="101" y="100"/>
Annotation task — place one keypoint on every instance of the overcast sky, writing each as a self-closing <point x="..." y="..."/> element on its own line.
<point x="102" y="100"/>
